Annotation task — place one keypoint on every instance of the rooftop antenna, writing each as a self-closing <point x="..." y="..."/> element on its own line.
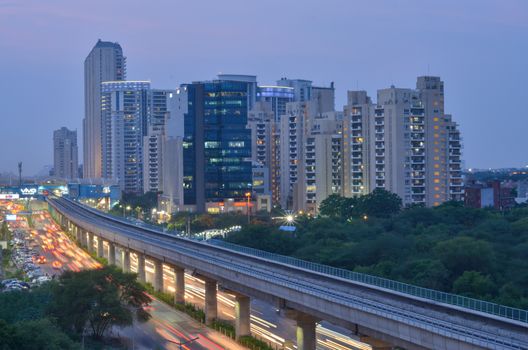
<point x="19" y="173"/>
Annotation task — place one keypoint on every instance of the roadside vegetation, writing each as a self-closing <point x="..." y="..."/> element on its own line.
<point x="61" y="313"/>
<point x="479" y="253"/>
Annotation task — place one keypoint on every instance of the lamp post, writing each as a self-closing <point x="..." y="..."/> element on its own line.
<point x="248" y="195"/>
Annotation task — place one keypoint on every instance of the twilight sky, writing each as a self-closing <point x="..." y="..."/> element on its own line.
<point x="478" y="47"/>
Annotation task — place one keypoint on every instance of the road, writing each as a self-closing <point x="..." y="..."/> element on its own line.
<point x="164" y="330"/>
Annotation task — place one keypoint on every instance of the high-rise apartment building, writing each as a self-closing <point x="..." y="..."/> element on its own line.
<point x="217" y="143"/>
<point x="65" y="163"/>
<point x="172" y="155"/>
<point x="105" y="62"/>
<point x="295" y="128"/>
<point x="264" y="149"/>
<point x="404" y="143"/>
<point x="356" y="123"/>
<point x="125" y="111"/>
<point x="153" y="142"/>
<point x="323" y="169"/>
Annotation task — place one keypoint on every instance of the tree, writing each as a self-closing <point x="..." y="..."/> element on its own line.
<point x="4" y="232"/>
<point x="333" y="206"/>
<point x="379" y="203"/>
<point x="475" y="285"/>
<point x="464" y="254"/>
<point x="98" y="299"/>
<point x="34" y="335"/>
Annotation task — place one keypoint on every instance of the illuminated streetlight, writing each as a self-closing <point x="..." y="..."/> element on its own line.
<point x="289" y="219"/>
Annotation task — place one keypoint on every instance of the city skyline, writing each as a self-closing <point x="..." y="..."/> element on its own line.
<point x="483" y="80"/>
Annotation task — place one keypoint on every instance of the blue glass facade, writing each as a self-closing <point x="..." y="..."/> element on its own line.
<point x="217" y="144"/>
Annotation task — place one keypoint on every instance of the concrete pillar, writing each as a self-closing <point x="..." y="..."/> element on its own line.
<point x="126" y="260"/>
<point x="158" y="275"/>
<point x="78" y="235"/>
<point x="141" y="267"/>
<point x="90" y="242"/>
<point x="242" y="315"/>
<point x="179" y="285"/>
<point x="100" y="250"/>
<point x="111" y="253"/>
<point x="211" y="308"/>
<point x="306" y="337"/>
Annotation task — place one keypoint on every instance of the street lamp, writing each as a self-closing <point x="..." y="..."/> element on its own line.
<point x="248" y="195"/>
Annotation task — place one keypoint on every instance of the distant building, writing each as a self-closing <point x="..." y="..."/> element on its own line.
<point x="493" y="194"/>
<point x="65" y="153"/>
<point x="277" y="97"/>
<point x="125" y="113"/>
<point x="105" y="62"/>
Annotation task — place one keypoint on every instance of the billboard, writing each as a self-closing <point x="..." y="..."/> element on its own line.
<point x="28" y="191"/>
<point x="9" y="196"/>
<point x="11" y="217"/>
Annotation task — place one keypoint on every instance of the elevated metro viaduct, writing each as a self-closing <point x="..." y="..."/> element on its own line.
<point x="383" y="317"/>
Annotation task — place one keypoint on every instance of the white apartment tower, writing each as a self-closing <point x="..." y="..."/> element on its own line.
<point x="158" y="104"/>
<point x="356" y="129"/>
<point x="65" y="163"/>
<point x="105" y="62"/>
<point x="125" y="111"/>
<point x="404" y="143"/>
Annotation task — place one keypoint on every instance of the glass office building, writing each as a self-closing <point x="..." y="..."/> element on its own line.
<point x="217" y="144"/>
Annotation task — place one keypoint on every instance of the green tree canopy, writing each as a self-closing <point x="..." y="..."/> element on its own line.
<point x="97" y="299"/>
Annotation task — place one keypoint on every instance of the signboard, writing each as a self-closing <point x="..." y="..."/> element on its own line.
<point x="28" y="191"/>
<point x="11" y="217"/>
<point x="9" y="196"/>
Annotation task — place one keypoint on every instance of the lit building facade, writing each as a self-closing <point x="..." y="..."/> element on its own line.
<point x="217" y="144"/>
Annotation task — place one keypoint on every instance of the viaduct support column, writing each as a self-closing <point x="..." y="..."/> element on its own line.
<point x="211" y="308"/>
<point x="179" y="285"/>
<point x="78" y="235"/>
<point x="243" y="315"/>
<point x="306" y="337"/>
<point x="90" y="242"/>
<point x="141" y="267"/>
<point x="126" y="260"/>
<point x="111" y="253"/>
<point x="100" y="249"/>
<point x="158" y="275"/>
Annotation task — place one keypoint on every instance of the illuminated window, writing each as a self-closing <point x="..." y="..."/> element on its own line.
<point x="436" y="127"/>
<point x="437" y="166"/>
<point x="437" y="188"/>
<point x="437" y="196"/>
<point x="436" y="181"/>
<point x="436" y="204"/>
<point x="435" y="119"/>
<point x="436" y="173"/>
<point x="436" y="136"/>
<point x="436" y="158"/>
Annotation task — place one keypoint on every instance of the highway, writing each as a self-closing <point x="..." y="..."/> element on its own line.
<point x="420" y="314"/>
<point x="164" y="330"/>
